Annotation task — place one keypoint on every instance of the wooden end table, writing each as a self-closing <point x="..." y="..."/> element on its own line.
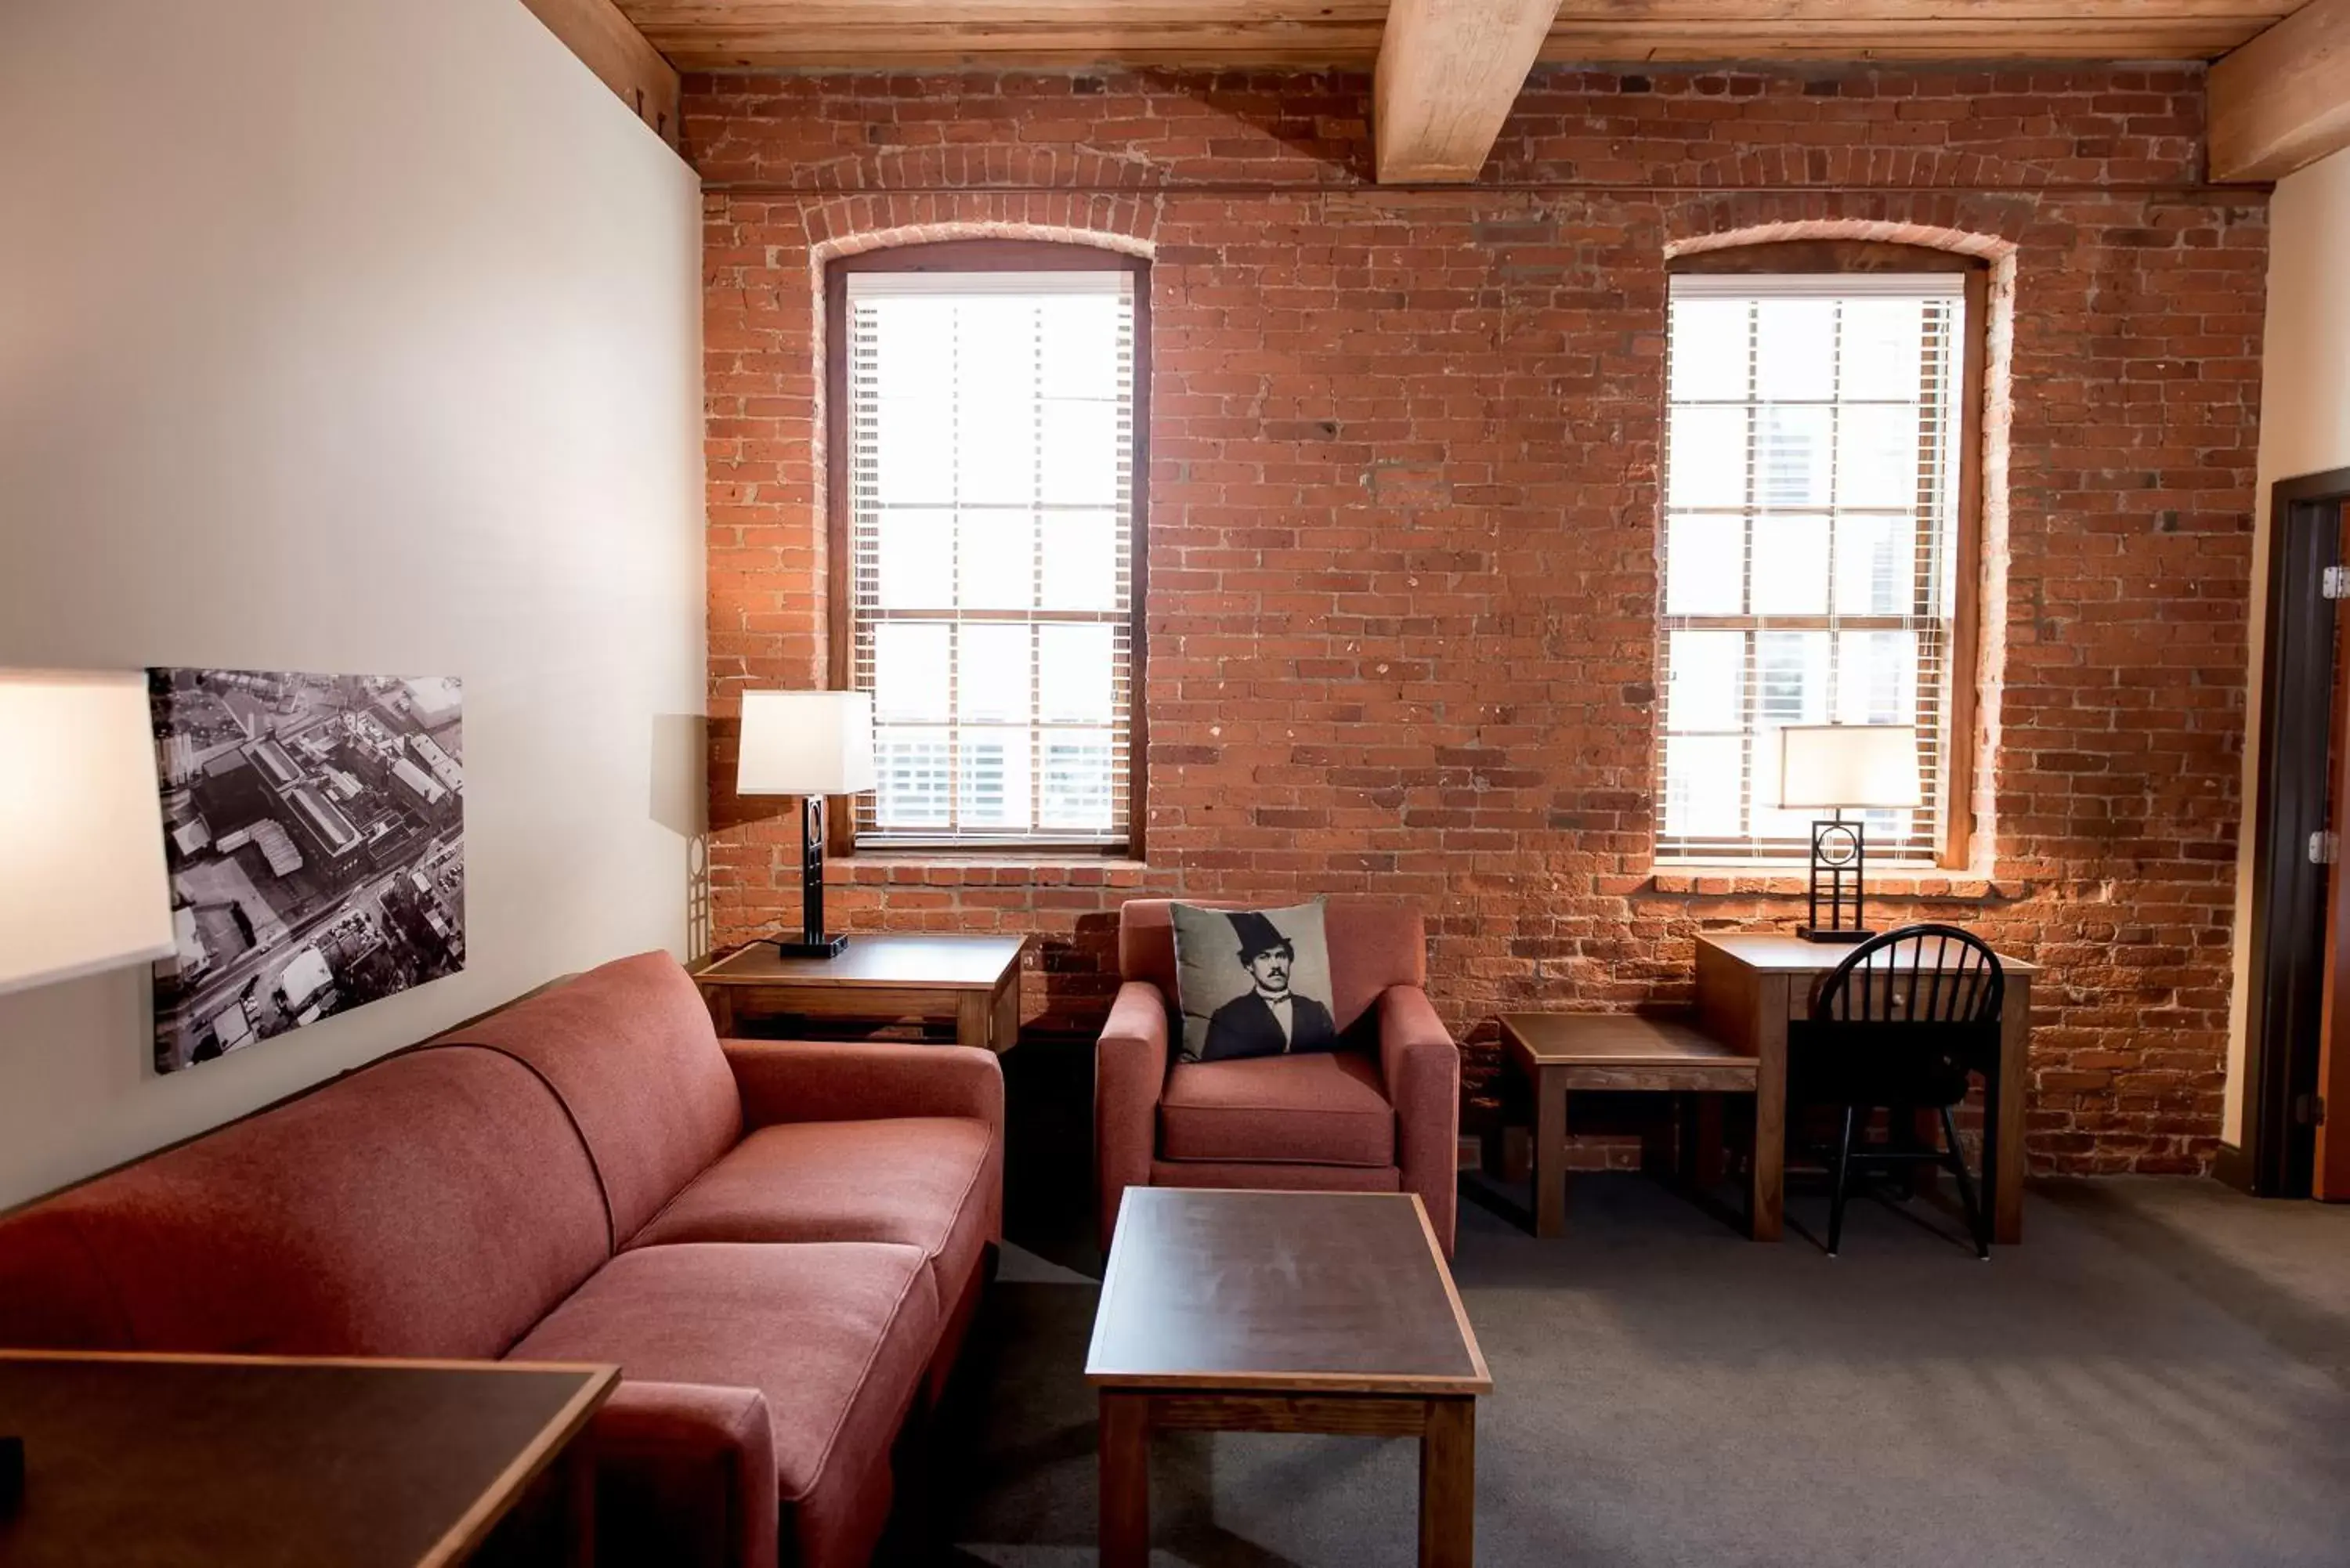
<point x="973" y="981"/>
<point x="1559" y="1054"/>
<point x="181" y="1461"/>
<point x="1284" y="1312"/>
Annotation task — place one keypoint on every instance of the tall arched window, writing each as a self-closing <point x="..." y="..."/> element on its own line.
<point x="988" y="431"/>
<point x="1821" y="490"/>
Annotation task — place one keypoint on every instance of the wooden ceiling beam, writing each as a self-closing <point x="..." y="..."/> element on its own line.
<point x="2283" y="100"/>
<point x="1448" y="72"/>
<point x="609" y="44"/>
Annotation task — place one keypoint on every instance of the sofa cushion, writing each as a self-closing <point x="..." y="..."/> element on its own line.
<point x="437" y="1203"/>
<point x="1372" y="947"/>
<point x="630" y="1048"/>
<point x="932" y="1182"/>
<point x="1313" y="1110"/>
<point x="835" y="1335"/>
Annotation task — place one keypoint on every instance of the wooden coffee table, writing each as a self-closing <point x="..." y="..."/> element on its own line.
<point x="1284" y="1312"/>
<point x="183" y="1461"/>
<point x="881" y="977"/>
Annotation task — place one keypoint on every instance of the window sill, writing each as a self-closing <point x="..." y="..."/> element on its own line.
<point x="1696" y="880"/>
<point x="990" y="868"/>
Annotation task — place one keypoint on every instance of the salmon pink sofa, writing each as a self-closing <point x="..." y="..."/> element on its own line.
<point x="1380" y="1115"/>
<point x="781" y="1244"/>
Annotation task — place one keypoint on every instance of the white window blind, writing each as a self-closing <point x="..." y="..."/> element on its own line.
<point x="1810" y="523"/>
<point x="991" y="420"/>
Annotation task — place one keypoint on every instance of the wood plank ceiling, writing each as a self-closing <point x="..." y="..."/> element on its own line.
<point x="722" y="34"/>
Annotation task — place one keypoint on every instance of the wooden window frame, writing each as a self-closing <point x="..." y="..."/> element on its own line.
<point x="983" y="255"/>
<point x="1778" y="257"/>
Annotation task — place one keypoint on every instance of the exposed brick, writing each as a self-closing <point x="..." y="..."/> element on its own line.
<point x="1404" y="512"/>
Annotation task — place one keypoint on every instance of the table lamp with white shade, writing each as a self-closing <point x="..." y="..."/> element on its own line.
<point x="82" y="881"/>
<point x="1845" y="767"/>
<point x="811" y="744"/>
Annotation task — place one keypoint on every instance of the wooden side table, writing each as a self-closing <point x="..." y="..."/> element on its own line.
<point x="973" y="981"/>
<point x="1559" y="1054"/>
<point x="172" y="1460"/>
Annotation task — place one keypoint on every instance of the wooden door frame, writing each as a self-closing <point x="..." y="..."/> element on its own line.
<point x="2289" y="958"/>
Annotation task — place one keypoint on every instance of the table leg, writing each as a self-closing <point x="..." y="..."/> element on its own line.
<point x="720" y="1000"/>
<point x="974" y="1018"/>
<point x="1447" y="1484"/>
<point x="1125" y="1480"/>
<point x="2004" y="1158"/>
<point x="1550" y="1152"/>
<point x="1702" y="1162"/>
<point x="1766" y="1206"/>
<point x="1007" y="1014"/>
<point x="577" y="1477"/>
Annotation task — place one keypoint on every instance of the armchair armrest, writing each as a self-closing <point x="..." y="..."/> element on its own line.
<point x="807" y="1080"/>
<point x="1421" y="1068"/>
<point x="685" y="1474"/>
<point x="1129" y="1070"/>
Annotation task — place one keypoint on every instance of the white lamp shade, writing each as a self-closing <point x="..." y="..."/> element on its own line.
<point x="1848" y="765"/>
<point x="806" y="743"/>
<point x="82" y="885"/>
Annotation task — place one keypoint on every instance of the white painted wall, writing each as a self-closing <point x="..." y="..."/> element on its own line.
<point x="2304" y="429"/>
<point x="355" y="337"/>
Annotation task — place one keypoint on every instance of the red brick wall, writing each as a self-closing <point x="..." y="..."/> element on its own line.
<point x="1403" y="511"/>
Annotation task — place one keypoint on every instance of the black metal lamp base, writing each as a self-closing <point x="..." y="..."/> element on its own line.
<point x="1839" y="871"/>
<point x="830" y="947"/>
<point x="812" y="943"/>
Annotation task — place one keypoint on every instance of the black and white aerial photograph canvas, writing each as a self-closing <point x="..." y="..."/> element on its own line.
<point x="316" y="830"/>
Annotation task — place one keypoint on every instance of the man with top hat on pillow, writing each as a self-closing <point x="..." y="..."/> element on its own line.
<point x="1269" y="1020"/>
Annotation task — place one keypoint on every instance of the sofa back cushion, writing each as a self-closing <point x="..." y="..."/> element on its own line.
<point x="438" y="1203"/>
<point x="1372" y="947"/>
<point x="628" y="1049"/>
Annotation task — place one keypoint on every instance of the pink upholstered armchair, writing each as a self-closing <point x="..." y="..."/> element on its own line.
<point x="1383" y="1117"/>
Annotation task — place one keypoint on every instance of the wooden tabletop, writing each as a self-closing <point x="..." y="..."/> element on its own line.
<point x="1335" y="1292"/>
<point x="1781" y="953"/>
<point x="162" y="1462"/>
<point x="1629" y="1039"/>
<point x="904" y="962"/>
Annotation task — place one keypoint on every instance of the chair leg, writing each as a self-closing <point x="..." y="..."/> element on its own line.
<point x="1978" y="1221"/>
<point x="1842" y="1180"/>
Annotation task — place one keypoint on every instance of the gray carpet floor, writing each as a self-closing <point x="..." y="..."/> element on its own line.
<point x="2160" y="1376"/>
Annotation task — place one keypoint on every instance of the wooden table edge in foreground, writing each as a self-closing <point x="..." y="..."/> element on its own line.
<point x="555" y="1442"/>
<point x="1441" y="1411"/>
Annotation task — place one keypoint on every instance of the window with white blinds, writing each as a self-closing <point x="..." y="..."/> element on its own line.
<point x="1811" y="489"/>
<point x="990" y="420"/>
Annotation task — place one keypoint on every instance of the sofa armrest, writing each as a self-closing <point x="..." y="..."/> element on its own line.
<point x="1421" y="1068"/>
<point x="809" y="1081"/>
<point x="1129" y="1070"/>
<point x="685" y="1474"/>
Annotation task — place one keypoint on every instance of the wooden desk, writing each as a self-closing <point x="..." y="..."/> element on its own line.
<point x="883" y="978"/>
<point x="1284" y="1312"/>
<point x="1748" y="985"/>
<point x="172" y="1460"/>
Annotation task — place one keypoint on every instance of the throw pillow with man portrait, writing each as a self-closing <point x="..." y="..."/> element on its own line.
<point x="1253" y="982"/>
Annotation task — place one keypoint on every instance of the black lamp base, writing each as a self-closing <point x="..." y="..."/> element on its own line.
<point x="830" y="947"/>
<point x="812" y="943"/>
<point x="1810" y="934"/>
